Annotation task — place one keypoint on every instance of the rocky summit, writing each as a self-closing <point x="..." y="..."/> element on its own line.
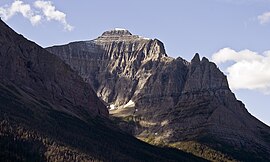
<point x="168" y="101"/>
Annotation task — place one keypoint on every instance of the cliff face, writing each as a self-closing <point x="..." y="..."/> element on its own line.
<point x="125" y="68"/>
<point x="170" y="101"/>
<point x="118" y="65"/>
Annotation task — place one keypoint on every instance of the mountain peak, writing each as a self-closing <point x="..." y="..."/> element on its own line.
<point x="196" y="59"/>
<point x="117" y="32"/>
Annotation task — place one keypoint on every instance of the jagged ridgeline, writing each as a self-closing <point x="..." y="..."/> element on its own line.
<point x="168" y="101"/>
<point x="48" y="113"/>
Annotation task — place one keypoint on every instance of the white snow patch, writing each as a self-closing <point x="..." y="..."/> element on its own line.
<point x="112" y="107"/>
<point x="144" y="38"/>
<point x="129" y="104"/>
<point x="121" y="29"/>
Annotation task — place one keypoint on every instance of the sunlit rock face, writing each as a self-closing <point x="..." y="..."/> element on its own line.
<point x="117" y="64"/>
<point x="169" y="99"/>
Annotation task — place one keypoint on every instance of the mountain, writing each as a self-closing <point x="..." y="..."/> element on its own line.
<point x="48" y="113"/>
<point x="168" y="101"/>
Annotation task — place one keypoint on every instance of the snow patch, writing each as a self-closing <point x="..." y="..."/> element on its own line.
<point x="120" y="29"/>
<point x="129" y="104"/>
<point x="145" y="38"/>
<point x="112" y="107"/>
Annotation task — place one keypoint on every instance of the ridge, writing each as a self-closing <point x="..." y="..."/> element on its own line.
<point x="116" y="32"/>
<point x="119" y="34"/>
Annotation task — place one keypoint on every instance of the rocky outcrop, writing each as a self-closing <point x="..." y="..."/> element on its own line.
<point x="164" y="99"/>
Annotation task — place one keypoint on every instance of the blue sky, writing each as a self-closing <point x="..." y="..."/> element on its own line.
<point x="232" y="33"/>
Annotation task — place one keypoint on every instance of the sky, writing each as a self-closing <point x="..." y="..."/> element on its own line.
<point x="231" y="33"/>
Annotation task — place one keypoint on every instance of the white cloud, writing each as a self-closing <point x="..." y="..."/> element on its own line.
<point x="227" y="54"/>
<point x="264" y="18"/>
<point x="22" y="8"/>
<point x="46" y="10"/>
<point x="249" y="70"/>
<point x="51" y="13"/>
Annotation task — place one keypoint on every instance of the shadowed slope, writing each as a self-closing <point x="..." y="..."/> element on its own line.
<point x="31" y="130"/>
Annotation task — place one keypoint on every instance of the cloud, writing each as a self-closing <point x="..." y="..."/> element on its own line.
<point x="264" y="18"/>
<point x="52" y="14"/>
<point x="249" y="70"/>
<point x="22" y="8"/>
<point x="45" y="9"/>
